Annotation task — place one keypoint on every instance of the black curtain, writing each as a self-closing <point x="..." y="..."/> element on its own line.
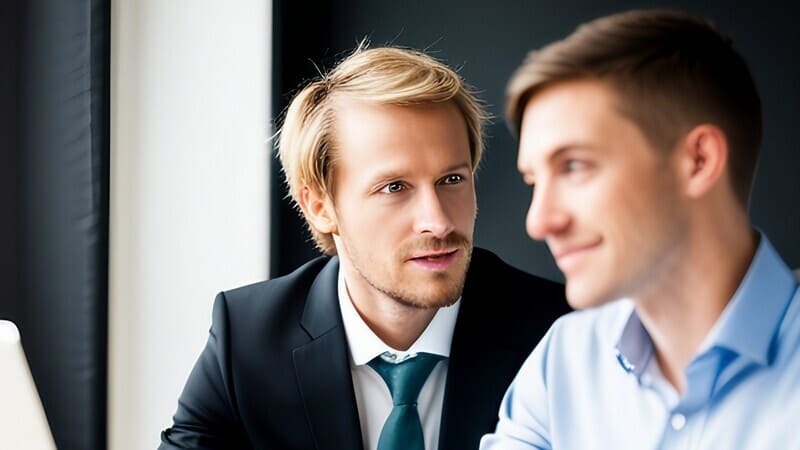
<point x="55" y="167"/>
<point x="9" y="85"/>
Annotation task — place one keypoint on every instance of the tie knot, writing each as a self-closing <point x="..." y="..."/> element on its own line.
<point x="406" y="379"/>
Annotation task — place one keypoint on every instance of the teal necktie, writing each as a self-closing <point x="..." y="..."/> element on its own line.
<point x="403" y="429"/>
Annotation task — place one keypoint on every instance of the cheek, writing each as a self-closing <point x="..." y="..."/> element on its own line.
<point x="462" y="209"/>
<point x="600" y="203"/>
<point x="639" y="213"/>
<point x="607" y="208"/>
<point x="357" y="220"/>
<point x="381" y="223"/>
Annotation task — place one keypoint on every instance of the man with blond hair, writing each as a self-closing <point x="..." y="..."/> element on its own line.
<point x="640" y="132"/>
<point x="403" y="336"/>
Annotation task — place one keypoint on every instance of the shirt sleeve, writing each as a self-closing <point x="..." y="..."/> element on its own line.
<point x="524" y="421"/>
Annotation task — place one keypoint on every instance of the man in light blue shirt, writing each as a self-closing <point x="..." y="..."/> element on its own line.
<point x="640" y="132"/>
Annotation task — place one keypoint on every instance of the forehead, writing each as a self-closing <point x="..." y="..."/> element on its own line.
<point x="575" y="114"/>
<point x="371" y="136"/>
<point x="358" y="120"/>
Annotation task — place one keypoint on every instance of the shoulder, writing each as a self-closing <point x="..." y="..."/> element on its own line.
<point x="277" y="299"/>
<point x="507" y="306"/>
<point x="591" y="333"/>
<point x="578" y="344"/>
<point x="502" y="286"/>
<point x="487" y="267"/>
<point x="296" y="282"/>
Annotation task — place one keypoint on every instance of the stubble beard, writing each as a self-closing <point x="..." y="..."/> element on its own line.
<point x="445" y="288"/>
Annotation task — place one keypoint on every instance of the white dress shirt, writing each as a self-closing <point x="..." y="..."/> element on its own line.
<point x="373" y="398"/>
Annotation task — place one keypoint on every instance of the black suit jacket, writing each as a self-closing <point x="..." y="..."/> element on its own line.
<point x="275" y="373"/>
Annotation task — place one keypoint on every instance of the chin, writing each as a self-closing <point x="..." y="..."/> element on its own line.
<point x="442" y="293"/>
<point x="584" y="297"/>
<point x="424" y="304"/>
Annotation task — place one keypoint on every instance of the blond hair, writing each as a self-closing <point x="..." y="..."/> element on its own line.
<point x="388" y="76"/>
<point x="671" y="72"/>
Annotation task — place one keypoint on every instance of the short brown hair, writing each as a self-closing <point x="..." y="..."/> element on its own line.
<point x="387" y="75"/>
<point x="672" y="71"/>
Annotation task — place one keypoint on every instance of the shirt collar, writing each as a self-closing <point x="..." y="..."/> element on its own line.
<point x="746" y="326"/>
<point x="634" y="347"/>
<point x="751" y="319"/>
<point x="365" y="345"/>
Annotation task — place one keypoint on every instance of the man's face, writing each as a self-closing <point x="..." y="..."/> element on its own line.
<point x="404" y="200"/>
<point x="604" y="200"/>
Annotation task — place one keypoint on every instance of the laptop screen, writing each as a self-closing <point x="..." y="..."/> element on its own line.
<point x="23" y="424"/>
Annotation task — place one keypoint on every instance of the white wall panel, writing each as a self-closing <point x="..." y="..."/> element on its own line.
<point x="189" y="200"/>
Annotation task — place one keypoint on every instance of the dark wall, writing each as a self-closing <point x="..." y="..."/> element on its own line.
<point x="489" y="39"/>
<point x="295" y="43"/>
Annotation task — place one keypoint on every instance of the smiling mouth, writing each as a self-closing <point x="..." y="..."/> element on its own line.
<point x="566" y="259"/>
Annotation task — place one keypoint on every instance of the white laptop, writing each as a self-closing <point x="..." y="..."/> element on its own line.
<point x="23" y="425"/>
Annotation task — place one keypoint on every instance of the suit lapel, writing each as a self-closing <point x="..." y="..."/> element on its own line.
<point x="473" y="386"/>
<point x="323" y="368"/>
<point x="477" y="365"/>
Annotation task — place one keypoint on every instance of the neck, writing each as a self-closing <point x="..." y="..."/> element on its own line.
<point x="680" y="310"/>
<point x="396" y="324"/>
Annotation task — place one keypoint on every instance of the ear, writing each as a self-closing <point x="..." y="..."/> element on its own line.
<point x="318" y="210"/>
<point x="703" y="157"/>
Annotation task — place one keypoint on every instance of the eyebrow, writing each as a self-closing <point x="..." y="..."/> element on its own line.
<point x="461" y="166"/>
<point x="395" y="174"/>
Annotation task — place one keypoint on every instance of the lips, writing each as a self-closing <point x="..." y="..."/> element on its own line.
<point x="439" y="260"/>
<point x="435" y="255"/>
<point x="568" y="257"/>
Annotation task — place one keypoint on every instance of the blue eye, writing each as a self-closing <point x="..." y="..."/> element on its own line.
<point x="393" y="188"/>
<point x="572" y="165"/>
<point x="453" y="179"/>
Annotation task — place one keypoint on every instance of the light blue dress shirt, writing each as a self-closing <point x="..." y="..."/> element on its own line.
<point x="593" y="382"/>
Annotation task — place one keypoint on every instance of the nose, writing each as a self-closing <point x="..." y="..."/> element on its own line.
<point x="431" y="216"/>
<point x="545" y="217"/>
